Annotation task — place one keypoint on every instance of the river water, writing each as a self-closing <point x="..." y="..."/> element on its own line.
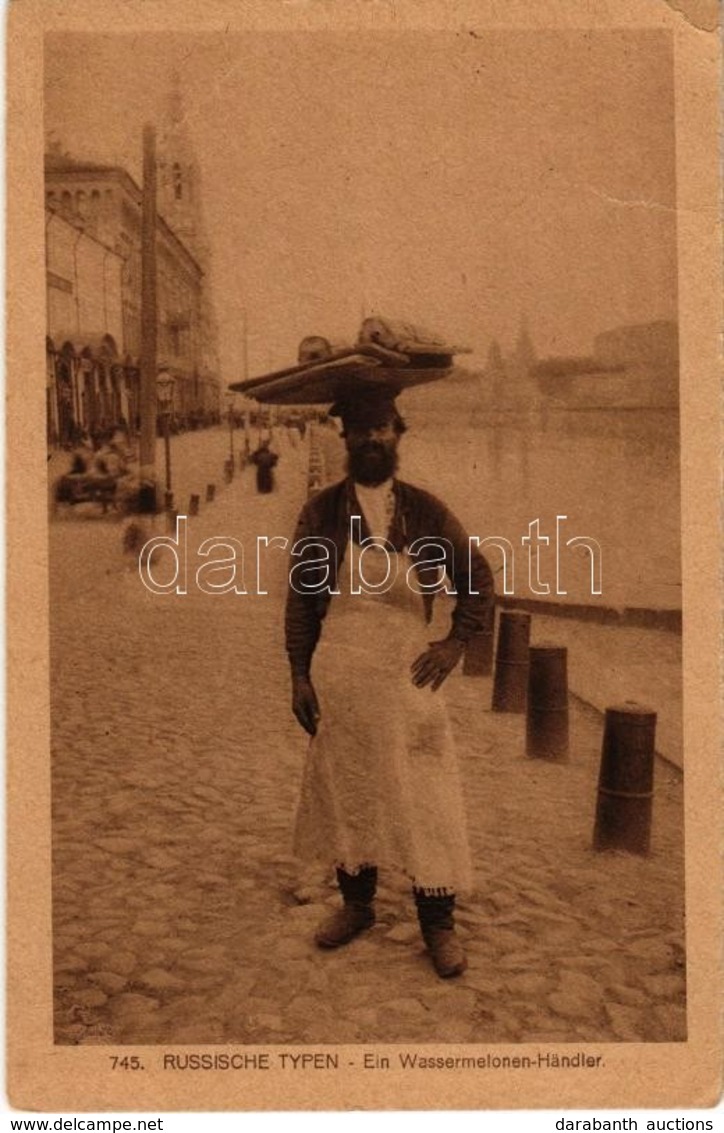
<point x="614" y="475"/>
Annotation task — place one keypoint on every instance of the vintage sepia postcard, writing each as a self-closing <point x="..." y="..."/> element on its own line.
<point x="364" y="601"/>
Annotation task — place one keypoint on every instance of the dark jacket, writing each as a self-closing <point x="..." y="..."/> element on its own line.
<point x="417" y="515"/>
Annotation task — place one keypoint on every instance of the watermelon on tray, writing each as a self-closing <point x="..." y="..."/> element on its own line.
<point x="388" y="355"/>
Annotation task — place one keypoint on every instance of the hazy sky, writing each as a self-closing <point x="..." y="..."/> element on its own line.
<point x="454" y="179"/>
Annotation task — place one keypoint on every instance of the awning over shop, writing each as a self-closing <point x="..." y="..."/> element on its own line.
<point x="94" y="346"/>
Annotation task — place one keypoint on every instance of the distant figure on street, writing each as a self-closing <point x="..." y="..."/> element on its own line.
<point x="265" y="461"/>
<point x="110" y="459"/>
<point x="82" y="455"/>
<point x="112" y="462"/>
<point x="381" y="784"/>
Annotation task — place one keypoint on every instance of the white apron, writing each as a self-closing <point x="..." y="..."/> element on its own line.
<point x="381" y="783"/>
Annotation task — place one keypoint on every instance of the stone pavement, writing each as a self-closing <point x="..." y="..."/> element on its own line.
<point x="179" y="914"/>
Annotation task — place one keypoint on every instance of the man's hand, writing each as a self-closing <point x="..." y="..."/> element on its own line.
<point x="305" y="705"/>
<point x="436" y="663"/>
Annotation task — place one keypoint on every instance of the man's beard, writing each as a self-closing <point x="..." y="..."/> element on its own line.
<point x="372" y="463"/>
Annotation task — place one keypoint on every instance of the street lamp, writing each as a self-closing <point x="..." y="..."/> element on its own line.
<point x="230" y="399"/>
<point x="164" y="390"/>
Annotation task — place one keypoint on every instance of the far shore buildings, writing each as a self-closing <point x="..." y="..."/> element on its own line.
<point x="93" y="275"/>
<point x="631" y="367"/>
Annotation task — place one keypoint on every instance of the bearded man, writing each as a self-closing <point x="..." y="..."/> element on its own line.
<point x="381" y="785"/>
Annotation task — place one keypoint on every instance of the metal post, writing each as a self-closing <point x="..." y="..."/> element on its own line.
<point x="478" y="658"/>
<point x="245" y="342"/>
<point x="510" y="686"/>
<point x="626" y="780"/>
<point x="147" y="406"/>
<point x="546" y="734"/>
<point x="167" y="446"/>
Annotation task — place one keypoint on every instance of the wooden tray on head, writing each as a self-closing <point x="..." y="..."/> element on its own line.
<point x="319" y="383"/>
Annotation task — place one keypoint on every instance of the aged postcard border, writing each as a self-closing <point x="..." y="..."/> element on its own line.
<point x="43" y="1076"/>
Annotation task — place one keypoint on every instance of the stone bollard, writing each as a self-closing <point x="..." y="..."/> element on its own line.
<point x="210" y="493"/>
<point x="171" y="517"/>
<point x="478" y="657"/>
<point x="167" y="501"/>
<point x="626" y="780"/>
<point x="510" y="685"/>
<point x="546" y="733"/>
<point x="194" y="505"/>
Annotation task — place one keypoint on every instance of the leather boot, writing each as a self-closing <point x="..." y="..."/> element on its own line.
<point x="357" y="912"/>
<point x="437" y="924"/>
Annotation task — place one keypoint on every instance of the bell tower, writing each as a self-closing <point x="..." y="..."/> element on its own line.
<point x="179" y="195"/>
<point x="181" y="206"/>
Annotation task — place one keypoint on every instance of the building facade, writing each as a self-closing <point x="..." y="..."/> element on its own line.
<point x="93" y="261"/>
<point x="89" y="384"/>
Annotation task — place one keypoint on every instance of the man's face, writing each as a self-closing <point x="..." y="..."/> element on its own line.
<point x="371" y="451"/>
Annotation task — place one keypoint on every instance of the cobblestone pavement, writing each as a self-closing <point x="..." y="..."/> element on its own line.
<point x="179" y="914"/>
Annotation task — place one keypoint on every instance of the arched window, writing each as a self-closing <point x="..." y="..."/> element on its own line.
<point x="80" y="204"/>
<point x="67" y="201"/>
<point x="177" y="182"/>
